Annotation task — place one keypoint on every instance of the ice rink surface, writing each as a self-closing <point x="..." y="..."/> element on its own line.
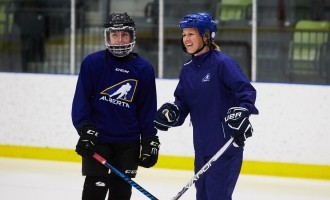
<point x="50" y="180"/>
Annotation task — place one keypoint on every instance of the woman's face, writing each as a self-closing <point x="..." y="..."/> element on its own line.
<point x="193" y="41"/>
<point x="119" y="37"/>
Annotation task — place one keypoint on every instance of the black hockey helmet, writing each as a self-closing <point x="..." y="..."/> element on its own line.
<point x="119" y="22"/>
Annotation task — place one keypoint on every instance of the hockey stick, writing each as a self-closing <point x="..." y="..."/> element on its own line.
<point x="123" y="176"/>
<point x="204" y="168"/>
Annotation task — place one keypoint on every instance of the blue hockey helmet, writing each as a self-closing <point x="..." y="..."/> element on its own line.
<point x="202" y="21"/>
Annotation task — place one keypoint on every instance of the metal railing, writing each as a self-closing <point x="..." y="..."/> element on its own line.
<point x="274" y="48"/>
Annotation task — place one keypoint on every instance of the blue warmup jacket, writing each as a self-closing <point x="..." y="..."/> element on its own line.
<point x="118" y="97"/>
<point x="208" y="86"/>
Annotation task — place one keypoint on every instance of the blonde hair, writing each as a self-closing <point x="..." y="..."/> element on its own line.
<point x="210" y="43"/>
<point x="215" y="46"/>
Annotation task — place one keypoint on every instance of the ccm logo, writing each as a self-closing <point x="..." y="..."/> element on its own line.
<point x="128" y="171"/>
<point x="122" y="70"/>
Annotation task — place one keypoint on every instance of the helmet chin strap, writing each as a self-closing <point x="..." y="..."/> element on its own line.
<point x="200" y="49"/>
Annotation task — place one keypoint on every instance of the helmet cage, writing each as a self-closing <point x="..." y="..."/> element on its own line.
<point x="119" y="50"/>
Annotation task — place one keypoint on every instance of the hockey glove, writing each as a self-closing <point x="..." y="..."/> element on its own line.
<point x="166" y="116"/>
<point x="87" y="141"/>
<point x="238" y="120"/>
<point x="149" y="151"/>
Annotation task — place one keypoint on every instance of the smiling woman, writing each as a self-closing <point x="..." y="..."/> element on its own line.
<point x="211" y="86"/>
<point x="198" y="33"/>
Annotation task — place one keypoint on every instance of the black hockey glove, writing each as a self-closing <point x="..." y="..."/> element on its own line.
<point x="149" y="151"/>
<point x="166" y="116"/>
<point x="87" y="141"/>
<point x="241" y="128"/>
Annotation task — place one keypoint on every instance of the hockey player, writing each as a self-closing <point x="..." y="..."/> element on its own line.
<point x="113" y="111"/>
<point x="219" y="98"/>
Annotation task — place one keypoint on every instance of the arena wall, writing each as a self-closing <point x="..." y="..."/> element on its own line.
<point x="291" y="133"/>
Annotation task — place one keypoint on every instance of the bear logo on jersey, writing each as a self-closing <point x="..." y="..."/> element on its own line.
<point x="123" y="91"/>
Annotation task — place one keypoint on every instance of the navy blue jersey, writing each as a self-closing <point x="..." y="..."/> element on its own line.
<point x="208" y="86"/>
<point x="117" y="96"/>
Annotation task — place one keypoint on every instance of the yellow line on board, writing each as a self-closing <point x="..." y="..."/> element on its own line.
<point x="295" y="170"/>
<point x="42" y="153"/>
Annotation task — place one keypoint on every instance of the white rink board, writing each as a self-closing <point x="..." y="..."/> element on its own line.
<point x="293" y="125"/>
<point x="39" y="180"/>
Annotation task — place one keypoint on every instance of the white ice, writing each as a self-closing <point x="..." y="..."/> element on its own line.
<point x="49" y="180"/>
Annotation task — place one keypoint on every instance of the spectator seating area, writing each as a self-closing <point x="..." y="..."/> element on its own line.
<point x="292" y="37"/>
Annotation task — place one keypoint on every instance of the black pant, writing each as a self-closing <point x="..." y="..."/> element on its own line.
<point x="99" y="180"/>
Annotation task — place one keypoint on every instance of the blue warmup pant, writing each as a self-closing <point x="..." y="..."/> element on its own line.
<point x="218" y="182"/>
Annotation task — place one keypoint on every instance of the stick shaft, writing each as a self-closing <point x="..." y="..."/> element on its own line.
<point x="204" y="168"/>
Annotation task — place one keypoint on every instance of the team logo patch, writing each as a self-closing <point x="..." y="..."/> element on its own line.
<point x="207" y="77"/>
<point x="123" y="91"/>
